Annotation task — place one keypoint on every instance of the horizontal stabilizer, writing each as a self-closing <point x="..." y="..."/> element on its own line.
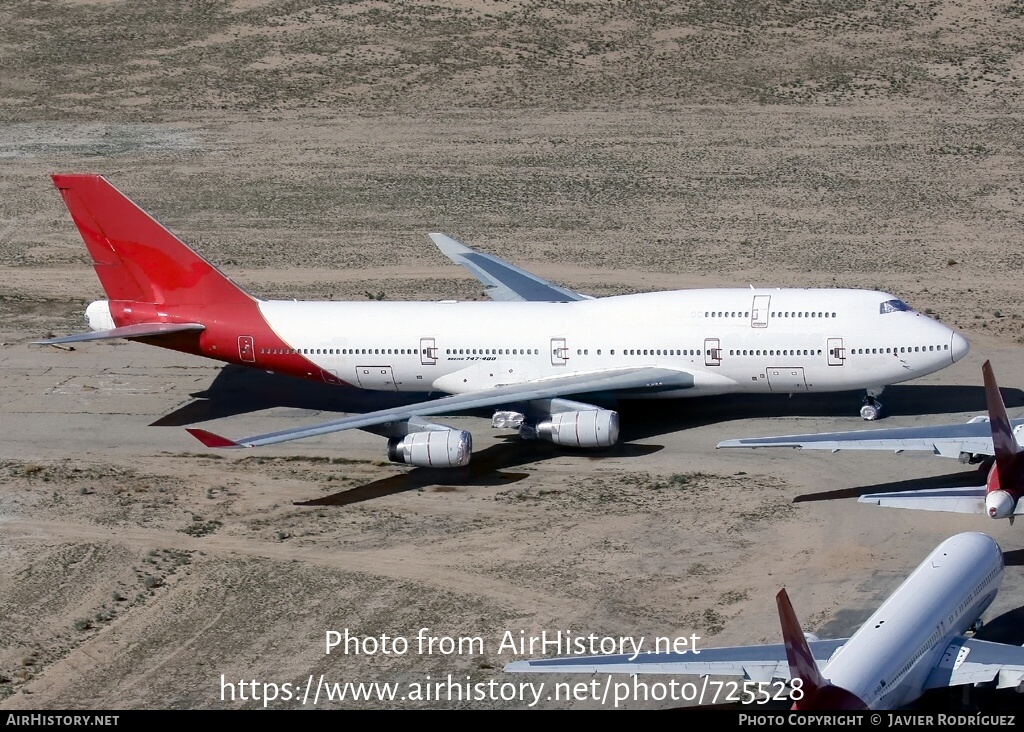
<point x="210" y="439"/>
<point x="139" y="330"/>
<point x="950" y="500"/>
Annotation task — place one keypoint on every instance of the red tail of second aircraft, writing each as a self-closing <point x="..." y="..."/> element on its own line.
<point x="815" y="691"/>
<point x="1005" y="483"/>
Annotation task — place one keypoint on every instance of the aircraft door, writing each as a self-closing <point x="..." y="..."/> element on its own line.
<point x="559" y="352"/>
<point x="759" y="311"/>
<point x="712" y="352"/>
<point x="246" y="349"/>
<point x="330" y="376"/>
<point x="786" y="379"/>
<point x="380" y="378"/>
<point x="428" y="352"/>
<point x="836" y="352"/>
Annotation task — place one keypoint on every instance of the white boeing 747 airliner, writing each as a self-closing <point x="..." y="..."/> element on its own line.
<point x="533" y="353"/>
<point x="916" y="641"/>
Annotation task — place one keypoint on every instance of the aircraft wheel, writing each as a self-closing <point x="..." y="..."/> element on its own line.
<point x="871" y="412"/>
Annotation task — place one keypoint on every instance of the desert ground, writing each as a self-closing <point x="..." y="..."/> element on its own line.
<point x="307" y="149"/>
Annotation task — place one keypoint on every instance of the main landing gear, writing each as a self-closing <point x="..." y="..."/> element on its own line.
<point x="872" y="408"/>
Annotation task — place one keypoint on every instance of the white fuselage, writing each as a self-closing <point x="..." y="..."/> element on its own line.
<point x="729" y="340"/>
<point x="888" y="660"/>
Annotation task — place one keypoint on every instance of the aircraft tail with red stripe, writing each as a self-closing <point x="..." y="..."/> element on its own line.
<point x="163" y="293"/>
<point x="1005" y="483"/>
<point x="816" y="691"/>
<point x="158" y="287"/>
<point x="137" y="259"/>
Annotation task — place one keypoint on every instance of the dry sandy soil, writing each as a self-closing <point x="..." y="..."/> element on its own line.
<point x="308" y="148"/>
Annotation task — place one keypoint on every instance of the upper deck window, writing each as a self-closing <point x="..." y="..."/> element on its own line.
<point x="893" y="306"/>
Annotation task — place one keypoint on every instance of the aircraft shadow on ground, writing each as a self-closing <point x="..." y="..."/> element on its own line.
<point x="239" y="390"/>
<point x="967" y="478"/>
<point x="486" y="469"/>
<point x="1009" y="627"/>
<point x="645" y="418"/>
<point x="1014" y="558"/>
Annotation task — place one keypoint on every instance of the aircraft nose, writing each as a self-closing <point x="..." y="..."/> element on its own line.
<point x="959" y="346"/>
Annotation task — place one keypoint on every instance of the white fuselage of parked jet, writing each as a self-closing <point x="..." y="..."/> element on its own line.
<point x="913" y="643"/>
<point x="729" y="340"/>
<point x="890" y="661"/>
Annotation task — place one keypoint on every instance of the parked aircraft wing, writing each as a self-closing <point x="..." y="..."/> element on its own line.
<point x="973" y="661"/>
<point x="758" y="663"/>
<point x="612" y="380"/>
<point x="946" y="440"/>
<point x="140" y="330"/>
<point x="503" y="281"/>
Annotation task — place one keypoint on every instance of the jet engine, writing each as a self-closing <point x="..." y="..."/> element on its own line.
<point x="590" y="428"/>
<point x="432" y="449"/>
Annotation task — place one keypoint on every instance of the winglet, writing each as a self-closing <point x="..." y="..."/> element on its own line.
<point x="801" y="661"/>
<point x="211" y="440"/>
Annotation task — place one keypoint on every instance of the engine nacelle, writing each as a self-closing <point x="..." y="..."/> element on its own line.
<point x="589" y="428"/>
<point x="999" y="504"/>
<point x="432" y="449"/>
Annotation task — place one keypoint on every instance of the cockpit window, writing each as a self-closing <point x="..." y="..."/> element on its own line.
<point x="893" y="306"/>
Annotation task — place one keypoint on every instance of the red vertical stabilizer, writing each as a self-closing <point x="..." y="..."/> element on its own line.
<point x="816" y="692"/>
<point x="1006" y="478"/>
<point x="154" y="279"/>
<point x="136" y="258"/>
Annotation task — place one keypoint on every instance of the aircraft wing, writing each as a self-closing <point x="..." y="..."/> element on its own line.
<point x="757" y="663"/>
<point x="612" y="380"/>
<point x="503" y="281"/>
<point x="973" y="661"/>
<point x="946" y="440"/>
<point x="140" y="330"/>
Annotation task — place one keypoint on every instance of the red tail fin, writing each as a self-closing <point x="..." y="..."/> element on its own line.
<point x="1003" y="443"/>
<point x="801" y="661"/>
<point x="135" y="257"/>
<point x="815" y="691"/>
